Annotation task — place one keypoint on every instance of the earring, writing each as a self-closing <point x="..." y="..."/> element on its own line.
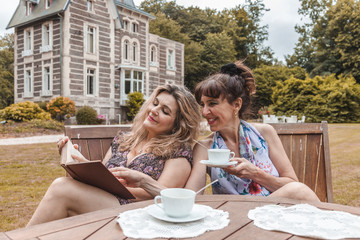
<point x="235" y="114"/>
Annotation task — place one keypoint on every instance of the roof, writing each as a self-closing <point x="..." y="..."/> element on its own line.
<point x="39" y="11"/>
<point x="129" y="4"/>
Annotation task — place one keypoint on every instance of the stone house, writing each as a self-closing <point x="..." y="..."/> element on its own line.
<point x="94" y="52"/>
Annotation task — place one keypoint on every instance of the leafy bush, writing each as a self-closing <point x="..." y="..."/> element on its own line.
<point x="134" y="103"/>
<point x="24" y="111"/>
<point x="42" y="105"/>
<point x="87" y="116"/>
<point x="61" y="107"/>
<point x="321" y="98"/>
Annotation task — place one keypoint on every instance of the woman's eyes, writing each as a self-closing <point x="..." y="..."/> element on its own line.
<point x="165" y="111"/>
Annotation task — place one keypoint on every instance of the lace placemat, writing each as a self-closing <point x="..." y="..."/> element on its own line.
<point x="306" y="220"/>
<point x="138" y="223"/>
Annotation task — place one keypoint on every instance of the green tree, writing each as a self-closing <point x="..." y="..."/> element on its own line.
<point x="6" y="70"/>
<point x="216" y="53"/>
<point x="266" y="78"/>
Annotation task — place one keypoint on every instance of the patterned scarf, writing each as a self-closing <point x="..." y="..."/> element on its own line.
<point x="253" y="148"/>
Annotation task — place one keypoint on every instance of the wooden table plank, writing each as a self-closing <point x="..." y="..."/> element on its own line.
<point x="79" y="232"/>
<point x="3" y="236"/>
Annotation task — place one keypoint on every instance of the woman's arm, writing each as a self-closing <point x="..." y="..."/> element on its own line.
<point x="197" y="178"/>
<point x="278" y="157"/>
<point x="175" y="174"/>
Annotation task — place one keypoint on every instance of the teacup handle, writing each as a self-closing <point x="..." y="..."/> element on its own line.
<point x="157" y="202"/>
<point x="232" y="155"/>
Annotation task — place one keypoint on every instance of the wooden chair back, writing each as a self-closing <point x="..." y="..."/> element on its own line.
<point x="307" y="146"/>
<point x="93" y="140"/>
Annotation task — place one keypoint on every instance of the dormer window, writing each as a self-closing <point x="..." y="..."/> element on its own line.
<point x="47" y="3"/>
<point x="90" y="5"/>
<point x="29" y="7"/>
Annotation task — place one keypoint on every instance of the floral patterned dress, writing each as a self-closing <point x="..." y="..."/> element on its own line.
<point x="255" y="149"/>
<point x="147" y="163"/>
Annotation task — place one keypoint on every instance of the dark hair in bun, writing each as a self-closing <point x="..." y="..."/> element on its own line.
<point x="233" y="81"/>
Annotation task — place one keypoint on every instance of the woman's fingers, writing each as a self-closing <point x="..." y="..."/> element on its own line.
<point x="80" y="159"/>
<point x="61" y="143"/>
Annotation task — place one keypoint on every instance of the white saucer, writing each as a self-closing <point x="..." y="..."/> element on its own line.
<point x="211" y="164"/>
<point x="198" y="212"/>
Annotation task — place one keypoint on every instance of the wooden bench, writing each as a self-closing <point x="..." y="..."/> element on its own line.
<point x="306" y="144"/>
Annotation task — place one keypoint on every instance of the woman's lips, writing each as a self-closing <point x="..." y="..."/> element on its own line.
<point x="210" y="120"/>
<point x="151" y="119"/>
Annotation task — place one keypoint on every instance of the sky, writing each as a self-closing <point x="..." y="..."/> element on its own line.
<point x="281" y="19"/>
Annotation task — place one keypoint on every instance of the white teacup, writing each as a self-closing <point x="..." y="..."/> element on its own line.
<point x="176" y="202"/>
<point x="220" y="156"/>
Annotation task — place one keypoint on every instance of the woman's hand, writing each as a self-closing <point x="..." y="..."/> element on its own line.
<point x="61" y="143"/>
<point x="128" y="177"/>
<point x="243" y="169"/>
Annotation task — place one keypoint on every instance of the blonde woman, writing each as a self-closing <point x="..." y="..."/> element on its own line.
<point x="159" y="145"/>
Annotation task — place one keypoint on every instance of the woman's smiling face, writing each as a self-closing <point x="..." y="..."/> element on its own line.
<point x="161" y="114"/>
<point x="217" y="111"/>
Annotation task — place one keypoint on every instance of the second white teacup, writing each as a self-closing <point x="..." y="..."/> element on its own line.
<point x="176" y="202"/>
<point x="220" y="156"/>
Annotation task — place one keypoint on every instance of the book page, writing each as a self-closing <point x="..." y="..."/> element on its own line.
<point x="66" y="153"/>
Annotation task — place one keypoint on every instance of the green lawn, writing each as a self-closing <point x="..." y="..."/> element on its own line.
<point x="26" y="171"/>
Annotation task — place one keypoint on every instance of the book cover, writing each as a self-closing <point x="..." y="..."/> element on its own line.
<point x="93" y="173"/>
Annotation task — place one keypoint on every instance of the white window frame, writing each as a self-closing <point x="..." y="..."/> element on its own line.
<point x="90" y="75"/>
<point x="90" y="36"/>
<point x="90" y="5"/>
<point x="126" y="24"/>
<point x="46" y="37"/>
<point x="28" y="42"/>
<point x="28" y="8"/>
<point x="170" y="59"/>
<point x="28" y="83"/>
<point x="126" y="50"/>
<point x="154" y="56"/>
<point x="134" y="51"/>
<point x="134" y="27"/>
<point x="47" y="81"/>
<point x="136" y="84"/>
<point x="47" y="3"/>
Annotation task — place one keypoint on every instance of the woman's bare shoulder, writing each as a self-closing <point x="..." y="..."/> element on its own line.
<point x="264" y="129"/>
<point x="207" y="141"/>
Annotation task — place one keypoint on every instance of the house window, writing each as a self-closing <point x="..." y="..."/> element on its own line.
<point x="90" y="5"/>
<point x="171" y="59"/>
<point x="134" y="51"/>
<point x="126" y="25"/>
<point x="29" y="8"/>
<point x="28" y="45"/>
<point x="126" y="49"/>
<point x="134" y="27"/>
<point x="47" y="3"/>
<point x="28" y="40"/>
<point x="90" y="81"/>
<point x="46" y="86"/>
<point x="28" y="84"/>
<point x="46" y="38"/>
<point x="153" y="54"/>
<point x="133" y="81"/>
<point x="90" y="43"/>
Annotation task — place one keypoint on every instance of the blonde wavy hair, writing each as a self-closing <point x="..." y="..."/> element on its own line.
<point x="186" y="125"/>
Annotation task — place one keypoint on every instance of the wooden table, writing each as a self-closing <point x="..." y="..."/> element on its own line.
<point x="102" y="224"/>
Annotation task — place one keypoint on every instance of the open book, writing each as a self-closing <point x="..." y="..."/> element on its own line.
<point x="91" y="172"/>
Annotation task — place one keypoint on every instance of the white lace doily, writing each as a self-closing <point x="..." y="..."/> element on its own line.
<point x="307" y="220"/>
<point x="138" y="223"/>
